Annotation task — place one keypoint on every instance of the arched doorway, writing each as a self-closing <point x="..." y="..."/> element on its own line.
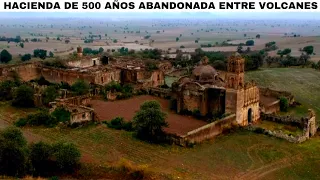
<point x="249" y="115"/>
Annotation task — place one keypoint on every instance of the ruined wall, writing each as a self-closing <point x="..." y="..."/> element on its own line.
<point x="308" y="124"/>
<point x="26" y="71"/>
<point x="77" y="100"/>
<point x="81" y="117"/>
<point x="62" y="75"/>
<point x="206" y="132"/>
<point x="190" y="97"/>
<point x="160" y="92"/>
<point x="277" y="94"/>
<point x="103" y="78"/>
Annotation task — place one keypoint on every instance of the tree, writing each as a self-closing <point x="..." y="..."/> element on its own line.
<point x="5" y="56"/>
<point x="258" y="36"/>
<point x="49" y="95"/>
<point x="6" y="88"/>
<point x="13" y="152"/>
<point x="23" y="97"/>
<point x="80" y="87"/>
<point x="67" y="155"/>
<point x="26" y="57"/>
<point x="21" y="45"/>
<point x="308" y="50"/>
<point x="40" y="154"/>
<point x="284" y="104"/>
<point x="250" y="43"/>
<point x="40" y="53"/>
<point x="51" y="54"/>
<point x="177" y="39"/>
<point x="149" y="121"/>
<point x="101" y="50"/>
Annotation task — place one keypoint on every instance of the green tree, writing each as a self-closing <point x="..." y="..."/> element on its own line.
<point x="40" y="53"/>
<point x="149" y="121"/>
<point x="26" y="57"/>
<point x="67" y="155"/>
<point x="13" y="152"/>
<point x="49" y="95"/>
<point x="51" y="54"/>
<point x="23" y="97"/>
<point x="250" y="43"/>
<point x="80" y="87"/>
<point x="40" y="154"/>
<point x="6" y="88"/>
<point x="177" y="39"/>
<point x="284" y="104"/>
<point x="101" y="50"/>
<point x="5" y="56"/>
<point x="308" y="50"/>
<point x="61" y="114"/>
<point x="21" y="45"/>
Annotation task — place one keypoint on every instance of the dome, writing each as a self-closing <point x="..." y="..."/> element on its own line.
<point x="204" y="72"/>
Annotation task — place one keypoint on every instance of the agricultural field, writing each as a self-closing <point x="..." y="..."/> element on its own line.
<point x="161" y="34"/>
<point x="301" y="82"/>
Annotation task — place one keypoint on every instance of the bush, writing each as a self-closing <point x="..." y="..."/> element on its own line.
<point x="49" y="95"/>
<point x="284" y="104"/>
<point x="119" y="124"/>
<point x="116" y="123"/>
<point x="40" y="154"/>
<point x="6" y="88"/>
<point x="250" y="43"/>
<point x="23" y="97"/>
<point x="26" y="57"/>
<point x="61" y="114"/>
<point x="67" y="155"/>
<point x="42" y="118"/>
<point x="80" y="87"/>
<point x="13" y="152"/>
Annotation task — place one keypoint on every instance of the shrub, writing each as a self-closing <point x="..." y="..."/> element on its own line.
<point x="42" y="118"/>
<point x="61" y="114"/>
<point x="6" y="88"/>
<point x="116" y="123"/>
<point x="80" y="87"/>
<point x="13" y="152"/>
<point x="284" y="104"/>
<point x="23" y="97"/>
<point x="250" y="43"/>
<point x="67" y="155"/>
<point x="40" y="154"/>
<point x="49" y="94"/>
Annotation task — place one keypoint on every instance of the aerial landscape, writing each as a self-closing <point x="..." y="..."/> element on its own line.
<point x="159" y="96"/>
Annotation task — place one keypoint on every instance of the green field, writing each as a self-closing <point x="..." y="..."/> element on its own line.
<point x="303" y="83"/>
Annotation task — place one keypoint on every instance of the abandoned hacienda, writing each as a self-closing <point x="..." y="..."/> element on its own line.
<point x="222" y="97"/>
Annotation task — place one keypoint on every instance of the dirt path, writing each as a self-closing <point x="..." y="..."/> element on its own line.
<point x="268" y="168"/>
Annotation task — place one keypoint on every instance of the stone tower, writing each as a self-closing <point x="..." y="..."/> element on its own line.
<point x="241" y="99"/>
<point x="235" y="74"/>
<point x="79" y="52"/>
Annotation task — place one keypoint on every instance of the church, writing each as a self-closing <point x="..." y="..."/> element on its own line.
<point x="212" y="94"/>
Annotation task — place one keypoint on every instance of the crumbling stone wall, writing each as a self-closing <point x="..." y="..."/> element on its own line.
<point x="308" y="124"/>
<point x="277" y="94"/>
<point x="206" y="132"/>
<point x="26" y="71"/>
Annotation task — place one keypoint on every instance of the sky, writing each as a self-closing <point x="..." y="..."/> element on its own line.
<point x="233" y="15"/>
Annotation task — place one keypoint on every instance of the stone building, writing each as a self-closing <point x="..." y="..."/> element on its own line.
<point x="89" y="69"/>
<point x="208" y="93"/>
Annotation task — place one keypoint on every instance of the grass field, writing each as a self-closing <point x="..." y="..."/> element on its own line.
<point x="303" y="83"/>
<point x="238" y="155"/>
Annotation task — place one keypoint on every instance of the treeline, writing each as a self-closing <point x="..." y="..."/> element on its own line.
<point x="18" y="159"/>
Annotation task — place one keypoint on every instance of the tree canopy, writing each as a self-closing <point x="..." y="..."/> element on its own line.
<point x="5" y="56"/>
<point x="149" y="121"/>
